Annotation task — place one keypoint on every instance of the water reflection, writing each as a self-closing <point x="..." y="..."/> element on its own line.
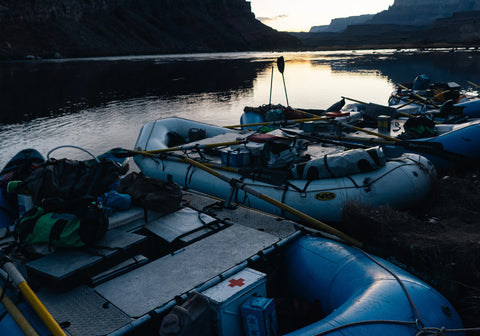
<point x="32" y="90"/>
<point x="400" y="67"/>
<point x="102" y="103"/>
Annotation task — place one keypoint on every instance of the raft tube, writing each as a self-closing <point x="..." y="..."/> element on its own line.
<point x="401" y="183"/>
<point x="360" y="294"/>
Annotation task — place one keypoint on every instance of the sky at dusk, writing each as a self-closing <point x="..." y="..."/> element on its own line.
<point x="300" y="15"/>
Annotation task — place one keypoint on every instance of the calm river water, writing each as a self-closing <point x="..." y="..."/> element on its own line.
<point x="101" y="103"/>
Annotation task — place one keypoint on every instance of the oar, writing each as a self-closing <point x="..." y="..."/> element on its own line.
<point x="387" y="137"/>
<point x="279" y="122"/>
<point x="281" y="68"/>
<point x="396" y="108"/>
<point x="425" y="147"/>
<point x="30" y="296"/>
<point x="17" y="315"/>
<point x="324" y="139"/>
<point x="271" y="85"/>
<point x="120" y="152"/>
<point x="307" y="114"/>
<point x="425" y="100"/>
<point x="473" y="84"/>
<point x="312" y="222"/>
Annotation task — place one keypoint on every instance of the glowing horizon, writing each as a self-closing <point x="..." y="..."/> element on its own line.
<point x="301" y="15"/>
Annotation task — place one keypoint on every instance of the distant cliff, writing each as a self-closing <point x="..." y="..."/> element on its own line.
<point x="74" y="28"/>
<point x="404" y="12"/>
<point x="422" y="12"/>
<point x="460" y="29"/>
<point x="406" y="24"/>
<point x="339" y="24"/>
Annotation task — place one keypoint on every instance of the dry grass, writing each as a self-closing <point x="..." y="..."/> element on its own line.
<point x="439" y="241"/>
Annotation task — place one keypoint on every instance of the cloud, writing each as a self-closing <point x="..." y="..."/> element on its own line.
<point x="272" y="19"/>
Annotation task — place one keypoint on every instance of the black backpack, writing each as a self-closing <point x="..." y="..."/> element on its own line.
<point x="150" y="193"/>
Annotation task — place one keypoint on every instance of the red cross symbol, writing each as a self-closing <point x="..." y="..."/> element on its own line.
<point x="236" y="282"/>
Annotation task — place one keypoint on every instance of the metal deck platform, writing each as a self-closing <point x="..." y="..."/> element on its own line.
<point x="153" y="285"/>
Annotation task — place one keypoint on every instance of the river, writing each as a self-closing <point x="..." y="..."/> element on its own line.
<point x="101" y="103"/>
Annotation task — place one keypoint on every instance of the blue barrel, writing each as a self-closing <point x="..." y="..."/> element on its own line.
<point x="421" y="82"/>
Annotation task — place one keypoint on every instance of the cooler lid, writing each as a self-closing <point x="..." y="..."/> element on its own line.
<point x="238" y="282"/>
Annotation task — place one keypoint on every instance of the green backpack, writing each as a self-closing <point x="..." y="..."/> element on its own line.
<point x="61" y="229"/>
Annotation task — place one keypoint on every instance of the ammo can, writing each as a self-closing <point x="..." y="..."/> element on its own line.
<point x="383" y="123"/>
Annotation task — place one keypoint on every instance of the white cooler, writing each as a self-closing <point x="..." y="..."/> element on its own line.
<point x="227" y="297"/>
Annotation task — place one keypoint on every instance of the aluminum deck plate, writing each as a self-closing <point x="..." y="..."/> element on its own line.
<point x="61" y="265"/>
<point x="153" y="285"/>
<point x="86" y="312"/>
<point x="178" y="223"/>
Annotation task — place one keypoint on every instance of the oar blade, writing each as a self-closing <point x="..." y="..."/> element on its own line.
<point x="281" y="64"/>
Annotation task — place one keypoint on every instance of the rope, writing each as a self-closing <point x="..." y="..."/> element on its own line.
<point x="443" y="331"/>
<point x="425" y="331"/>
<point x="410" y="300"/>
<point x="346" y="188"/>
<point x="72" y="146"/>
<point x="360" y="323"/>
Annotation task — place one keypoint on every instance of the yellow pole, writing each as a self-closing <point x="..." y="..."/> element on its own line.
<point x="32" y="299"/>
<point x="314" y="223"/>
<point x="17" y="315"/>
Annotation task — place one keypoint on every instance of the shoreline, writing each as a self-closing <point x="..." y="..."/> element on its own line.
<point x="445" y="47"/>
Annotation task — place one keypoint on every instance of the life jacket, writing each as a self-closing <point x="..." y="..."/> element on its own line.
<point x="62" y="229"/>
<point x="418" y="127"/>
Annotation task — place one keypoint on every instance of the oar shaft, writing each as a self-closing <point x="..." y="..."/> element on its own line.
<point x="280" y="122"/>
<point x="308" y="114"/>
<point x="355" y="100"/>
<point x="310" y="220"/>
<point x="285" y="88"/>
<point x="271" y="85"/>
<point x="371" y="132"/>
<point x="33" y="300"/>
<point x="473" y="84"/>
<point x="405" y="104"/>
<point x="199" y="146"/>
<point x="17" y="315"/>
<point x="425" y="100"/>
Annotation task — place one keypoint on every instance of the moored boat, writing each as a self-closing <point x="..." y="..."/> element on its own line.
<point x="446" y="145"/>
<point x="315" y="186"/>
<point x="209" y="270"/>
<point x="439" y="99"/>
